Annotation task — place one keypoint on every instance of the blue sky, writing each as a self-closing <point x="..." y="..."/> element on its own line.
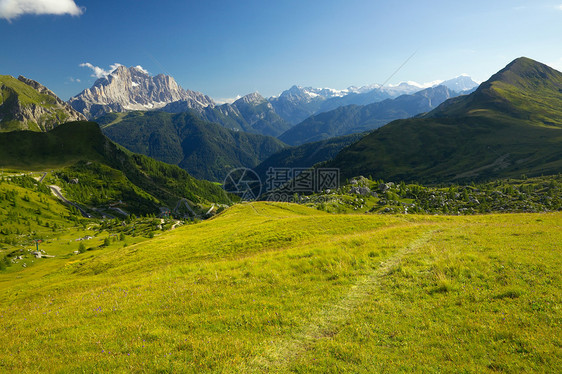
<point x="229" y="48"/>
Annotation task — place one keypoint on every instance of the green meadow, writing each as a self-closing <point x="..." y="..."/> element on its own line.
<point x="273" y="287"/>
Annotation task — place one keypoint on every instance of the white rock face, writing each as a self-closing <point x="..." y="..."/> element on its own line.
<point x="127" y="89"/>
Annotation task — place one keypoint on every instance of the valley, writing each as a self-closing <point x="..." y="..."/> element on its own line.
<point x="436" y="246"/>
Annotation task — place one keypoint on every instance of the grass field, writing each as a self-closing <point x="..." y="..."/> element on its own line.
<point x="284" y="288"/>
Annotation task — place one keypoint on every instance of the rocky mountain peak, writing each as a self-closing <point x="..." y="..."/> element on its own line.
<point x="133" y="88"/>
<point x="253" y="99"/>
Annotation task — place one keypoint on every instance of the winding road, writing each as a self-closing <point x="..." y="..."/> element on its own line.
<point x="57" y="191"/>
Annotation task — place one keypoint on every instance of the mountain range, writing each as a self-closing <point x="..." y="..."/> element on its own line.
<point x="354" y="119"/>
<point x="298" y="103"/>
<point x="510" y="126"/>
<point x="251" y="113"/>
<point x="128" y="89"/>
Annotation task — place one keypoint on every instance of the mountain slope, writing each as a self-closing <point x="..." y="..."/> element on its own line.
<point x="80" y="148"/>
<point x="357" y="119"/>
<point x="27" y="105"/>
<point x="127" y="89"/>
<point x="207" y="150"/>
<point x="511" y="125"/>
<point x="306" y="155"/>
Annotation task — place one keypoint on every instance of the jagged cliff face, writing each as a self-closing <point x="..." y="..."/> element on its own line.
<point x="27" y="105"/>
<point x="127" y="89"/>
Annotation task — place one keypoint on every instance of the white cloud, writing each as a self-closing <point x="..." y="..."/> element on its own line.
<point x="142" y="69"/>
<point x="228" y="100"/>
<point x="74" y="80"/>
<point x="98" y="72"/>
<point x="418" y="85"/>
<point x="10" y="9"/>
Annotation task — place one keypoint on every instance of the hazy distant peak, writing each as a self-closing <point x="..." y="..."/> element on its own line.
<point x="461" y="83"/>
<point x="252" y="98"/>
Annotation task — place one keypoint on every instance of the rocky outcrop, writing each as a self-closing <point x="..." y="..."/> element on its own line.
<point x="28" y="105"/>
<point x="127" y="89"/>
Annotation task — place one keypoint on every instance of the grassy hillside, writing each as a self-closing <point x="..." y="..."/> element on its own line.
<point x="28" y="211"/>
<point x="279" y="288"/>
<point x="103" y="172"/>
<point x="12" y="91"/>
<point x="206" y="150"/>
<point x="20" y="104"/>
<point x="511" y="125"/>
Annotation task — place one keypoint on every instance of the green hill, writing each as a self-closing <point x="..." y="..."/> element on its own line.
<point x="62" y="146"/>
<point x="206" y="150"/>
<point x="511" y="125"/>
<point x="104" y="172"/>
<point x="27" y="105"/>
<point x="284" y="288"/>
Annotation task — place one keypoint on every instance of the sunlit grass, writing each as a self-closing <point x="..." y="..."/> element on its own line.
<point x="280" y="287"/>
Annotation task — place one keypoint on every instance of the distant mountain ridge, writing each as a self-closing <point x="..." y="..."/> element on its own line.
<point x="298" y="103"/>
<point x="510" y="126"/>
<point x="28" y="105"/>
<point x="356" y="119"/>
<point x="251" y="113"/>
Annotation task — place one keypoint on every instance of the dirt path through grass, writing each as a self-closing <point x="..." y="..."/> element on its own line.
<point x="326" y="323"/>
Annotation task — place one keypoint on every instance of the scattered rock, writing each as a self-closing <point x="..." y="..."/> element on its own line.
<point x="363" y="191"/>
